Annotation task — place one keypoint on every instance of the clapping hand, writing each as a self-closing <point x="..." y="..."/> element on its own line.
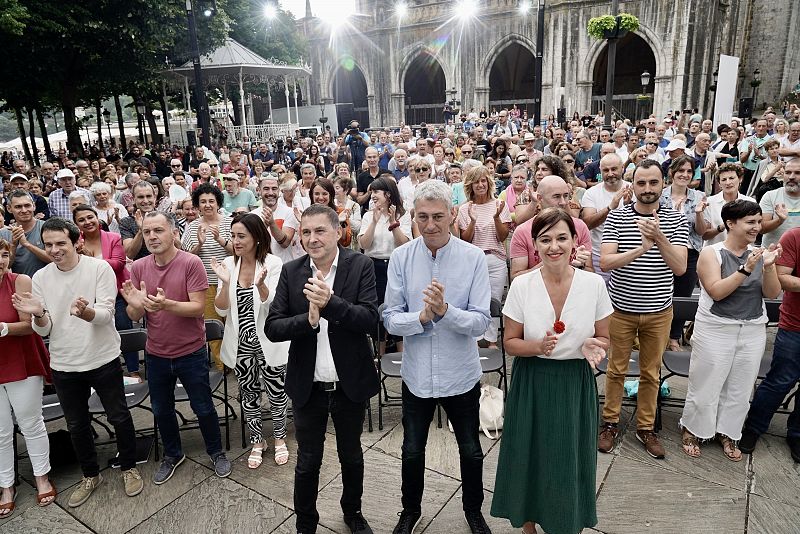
<point x="266" y="215"/>
<point x="26" y="303"/>
<point x="221" y="270"/>
<point x="78" y="306"/>
<point x="317" y="291"/>
<point x="548" y="343"/>
<point x="582" y="257"/>
<point x="594" y="350"/>
<point x="500" y="204"/>
<point x="134" y="297"/>
<point x="471" y="211"/>
<point x="297" y="213"/>
<point x="771" y="254"/>
<point x="701" y="206"/>
<point x="202" y="229"/>
<point x="781" y="211"/>
<point x="155" y="303"/>
<point x="261" y="275"/>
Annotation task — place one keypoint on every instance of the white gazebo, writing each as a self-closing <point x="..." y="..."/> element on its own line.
<point x="234" y="64"/>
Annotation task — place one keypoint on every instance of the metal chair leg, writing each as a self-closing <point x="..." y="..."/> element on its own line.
<point x="369" y="415"/>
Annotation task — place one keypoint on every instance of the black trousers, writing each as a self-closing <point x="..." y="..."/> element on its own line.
<point x="683" y="287"/>
<point x="73" y="389"/>
<point x="310" y="422"/>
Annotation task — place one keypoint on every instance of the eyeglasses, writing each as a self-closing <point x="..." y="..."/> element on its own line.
<point x="449" y="153"/>
<point x="176" y="166"/>
<point x="213" y="165"/>
<point x="423" y="169"/>
<point x="520" y="160"/>
<point x="466" y="151"/>
<point x="569" y="161"/>
<point x="651" y="143"/>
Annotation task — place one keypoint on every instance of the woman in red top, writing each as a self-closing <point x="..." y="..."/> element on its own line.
<point x="24" y="365"/>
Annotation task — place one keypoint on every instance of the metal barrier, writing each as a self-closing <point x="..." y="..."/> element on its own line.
<point x="262" y="132"/>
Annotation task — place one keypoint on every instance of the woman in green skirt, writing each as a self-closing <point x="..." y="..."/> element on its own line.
<point x="548" y="455"/>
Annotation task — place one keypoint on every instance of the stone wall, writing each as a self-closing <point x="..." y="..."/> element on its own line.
<point x="686" y="37"/>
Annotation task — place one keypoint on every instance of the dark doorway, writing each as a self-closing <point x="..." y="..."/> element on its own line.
<point x="424" y="88"/>
<point x="511" y="79"/>
<point x="350" y="87"/>
<point x="634" y="56"/>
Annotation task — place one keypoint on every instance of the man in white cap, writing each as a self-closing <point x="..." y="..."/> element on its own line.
<point x="59" y="199"/>
<point x="675" y="148"/>
<point x="20" y="181"/>
<point x="236" y="198"/>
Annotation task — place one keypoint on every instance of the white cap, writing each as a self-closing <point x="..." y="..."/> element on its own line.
<point x="675" y="144"/>
<point x="65" y="173"/>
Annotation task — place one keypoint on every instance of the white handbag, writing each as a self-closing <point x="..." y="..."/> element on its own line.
<point x="490" y="411"/>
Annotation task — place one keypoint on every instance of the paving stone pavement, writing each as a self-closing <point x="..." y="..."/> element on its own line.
<point x="635" y="493"/>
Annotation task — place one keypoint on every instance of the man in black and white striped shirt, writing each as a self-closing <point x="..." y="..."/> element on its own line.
<point x="644" y="246"/>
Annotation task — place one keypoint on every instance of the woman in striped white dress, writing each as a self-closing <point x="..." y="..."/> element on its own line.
<point x="247" y="283"/>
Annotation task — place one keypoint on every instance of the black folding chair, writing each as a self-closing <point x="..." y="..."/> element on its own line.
<point x="133" y="340"/>
<point x="494" y="360"/>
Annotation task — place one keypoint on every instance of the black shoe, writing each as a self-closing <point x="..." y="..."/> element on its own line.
<point x="476" y="523"/>
<point x="794" y="447"/>
<point x="747" y="444"/>
<point x="357" y="524"/>
<point x="407" y="523"/>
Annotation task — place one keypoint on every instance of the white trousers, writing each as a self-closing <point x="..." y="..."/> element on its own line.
<point x="24" y="397"/>
<point x="722" y="372"/>
<point x="498" y="276"/>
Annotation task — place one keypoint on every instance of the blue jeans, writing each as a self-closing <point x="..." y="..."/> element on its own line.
<point x="784" y="372"/>
<point x="123" y="322"/>
<point x="462" y="411"/>
<point x="192" y="370"/>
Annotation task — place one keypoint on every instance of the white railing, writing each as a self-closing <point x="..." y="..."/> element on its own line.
<point x="262" y="132"/>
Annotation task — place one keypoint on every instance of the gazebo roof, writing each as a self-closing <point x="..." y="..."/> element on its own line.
<point x="232" y="59"/>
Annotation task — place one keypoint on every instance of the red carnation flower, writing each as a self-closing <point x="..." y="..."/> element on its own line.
<point x="559" y="327"/>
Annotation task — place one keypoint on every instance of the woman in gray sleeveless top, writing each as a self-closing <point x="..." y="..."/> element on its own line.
<point x="729" y="331"/>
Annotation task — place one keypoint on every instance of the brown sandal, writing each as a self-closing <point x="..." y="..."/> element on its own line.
<point x="690" y="443"/>
<point x="42" y="496"/>
<point x="10" y="506"/>
<point x="729" y="448"/>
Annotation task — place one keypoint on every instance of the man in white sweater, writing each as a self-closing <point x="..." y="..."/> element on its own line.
<point x="73" y="302"/>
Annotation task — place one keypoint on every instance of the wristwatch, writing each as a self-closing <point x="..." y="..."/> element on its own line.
<point x="44" y="312"/>
<point x="720" y="228"/>
<point x="744" y="271"/>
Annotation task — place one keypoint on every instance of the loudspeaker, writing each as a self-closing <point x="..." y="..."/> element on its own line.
<point x="191" y="138"/>
<point x="746" y="107"/>
<point x="562" y="115"/>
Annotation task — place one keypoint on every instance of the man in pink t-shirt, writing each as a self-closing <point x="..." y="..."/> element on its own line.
<point x="552" y="192"/>
<point x="168" y="288"/>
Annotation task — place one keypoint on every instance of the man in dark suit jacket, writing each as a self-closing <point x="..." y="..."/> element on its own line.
<point x="325" y="304"/>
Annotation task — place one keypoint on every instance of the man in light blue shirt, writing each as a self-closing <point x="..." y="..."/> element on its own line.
<point x="438" y="298"/>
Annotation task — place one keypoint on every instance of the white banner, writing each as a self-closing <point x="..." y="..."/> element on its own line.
<point x="724" y="98"/>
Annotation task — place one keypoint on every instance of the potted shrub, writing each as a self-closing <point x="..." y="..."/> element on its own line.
<point x="612" y="27"/>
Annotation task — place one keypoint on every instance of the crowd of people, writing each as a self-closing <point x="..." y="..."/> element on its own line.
<point x="584" y="235"/>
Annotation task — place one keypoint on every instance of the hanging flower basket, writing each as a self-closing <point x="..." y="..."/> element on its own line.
<point x="611" y="27"/>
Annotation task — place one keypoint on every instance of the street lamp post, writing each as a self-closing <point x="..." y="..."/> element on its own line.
<point x="537" y="96"/>
<point x="322" y="118"/>
<point x="612" y="67"/>
<point x="713" y="89"/>
<point x="645" y="78"/>
<point x="140" y="119"/>
<point x="107" y="118"/>
<point x="203" y="121"/>
<point x="755" y="83"/>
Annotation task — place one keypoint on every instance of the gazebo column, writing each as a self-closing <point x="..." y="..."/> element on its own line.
<point x="296" y="111"/>
<point x="288" y="106"/>
<point x="241" y="102"/>
<point x="186" y="93"/>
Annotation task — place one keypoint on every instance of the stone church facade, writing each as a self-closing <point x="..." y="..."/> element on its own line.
<point x="394" y="71"/>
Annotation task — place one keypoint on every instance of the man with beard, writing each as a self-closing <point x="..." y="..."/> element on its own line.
<point x="144" y="201"/>
<point x="644" y="247"/>
<point x="280" y="220"/>
<point x="781" y="207"/>
<point x="600" y="200"/>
